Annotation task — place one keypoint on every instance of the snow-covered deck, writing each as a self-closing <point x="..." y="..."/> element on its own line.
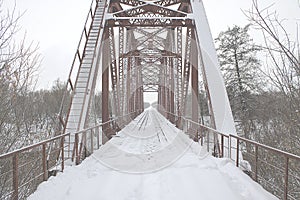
<point x="150" y="159"/>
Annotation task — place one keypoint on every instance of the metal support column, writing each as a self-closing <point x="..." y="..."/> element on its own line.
<point x="195" y="88"/>
<point x="172" y="94"/>
<point x="105" y="93"/>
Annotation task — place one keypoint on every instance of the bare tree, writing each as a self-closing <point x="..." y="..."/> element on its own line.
<point x="283" y="67"/>
<point x="18" y="65"/>
<point x="278" y="117"/>
<point x="19" y="61"/>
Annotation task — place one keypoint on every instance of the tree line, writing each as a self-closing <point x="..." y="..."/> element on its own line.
<point x="263" y="85"/>
<point x="263" y="80"/>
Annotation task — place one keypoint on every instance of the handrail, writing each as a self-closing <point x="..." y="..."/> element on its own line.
<point x="90" y="14"/>
<point x="13" y="169"/>
<point x="241" y="138"/>
<point x="93" y="127"/>
<point x="206" y="127"/>
<point x="267" y="147"/>
<point x="78" y="53"/>
<point x="51" y="139"/>
<point x="14" y="155"/>
<point x="284" y="170"/>
<point x="32" y="146"/>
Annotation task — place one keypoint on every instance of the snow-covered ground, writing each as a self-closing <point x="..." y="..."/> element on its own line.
<point x="151" y="160"/>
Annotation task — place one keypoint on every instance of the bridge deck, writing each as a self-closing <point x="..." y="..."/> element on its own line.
<point x="151" y="159"/>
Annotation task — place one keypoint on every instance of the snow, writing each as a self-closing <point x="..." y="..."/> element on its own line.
<point x="150" y="160"/>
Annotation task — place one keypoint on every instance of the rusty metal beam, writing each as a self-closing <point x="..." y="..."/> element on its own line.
<point x="105" y="90"/>
<point x="170" y="2"/>
<point x="114" y="71"/>
<point x="128" y="2"/>
<point x="195" y="87"/>
<point x="186" y="69"/>
<point x="121" y="71"/>
<point x="150" y="22"/>
<point x="179" y="75"/>
<point x="149" y="10"/>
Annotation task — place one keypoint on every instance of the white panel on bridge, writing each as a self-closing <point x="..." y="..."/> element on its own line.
<point x="219" y="99"/>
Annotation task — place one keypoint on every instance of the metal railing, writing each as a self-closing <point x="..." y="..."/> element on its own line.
<point x="22" y="170"/>
<point x="276" y="170"/>
<point x="216" y="142"/>
<point x="76" y="63"/>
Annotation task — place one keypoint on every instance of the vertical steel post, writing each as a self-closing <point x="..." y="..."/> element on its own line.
<point x="186" y="69"/>
<point x="121" y="71"/>
<point x="222" y="146"/>
<point x="136" y="96"/>
<point x="62" y="154"/>
<point x="256" y="163"/>
<point x="44" y="160"/>
<point x="128" y="86"/>
<point x="208" y="138"/>
<point x="179" y="76"/>
<point x="92" y="141"/>
<point x="132" y="94"/>
<point x="142" y="96"/>
<point x="159" y="98"/>
<point x="201" y="138"/>
<point x="286" y="178"/>
<point x="76" y="149"/>
<point x="105" y="91"/>
<point x="163" y="100"/>
<point x="15" y="177"/>
<point x="69" y="149"/>
<point x="140" y="88"/>
<point x="98" y="137"/>
<point x="137" y="101"/>
<point x="113" y="70"/>
<point x="237" y="152"/>
<point x="172" y="97"/>
<point x="195" y="88"/>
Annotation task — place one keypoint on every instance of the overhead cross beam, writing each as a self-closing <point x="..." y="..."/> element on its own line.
<point x="148" y="46"/>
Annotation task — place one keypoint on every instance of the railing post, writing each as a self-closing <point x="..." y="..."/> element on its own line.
<point x="62" y="154"/>
<point x="15" y="177"/>
<point x="92" y="141"/>
<point x="237" y="151"/>
<point x="215" y="145"/>
<point x="286" y="177"/>
<point x="201" y="135"/>
<point x="45" y="172"/>
<point x="256" y="163"/>
<point x="69" y="147"/>
<point x="186" y="124"/>
<point x="207" y="138"/>
<point x="98" y="137"/>
<point x="76" y="149"/>
<point x="222" y="146"/>
<point x="229" y="146"/>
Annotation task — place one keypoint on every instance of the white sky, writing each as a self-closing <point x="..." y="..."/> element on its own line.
<point x="57" y="24"/>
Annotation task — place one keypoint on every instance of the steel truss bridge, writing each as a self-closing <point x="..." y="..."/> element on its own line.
<point x="127" y="49"/>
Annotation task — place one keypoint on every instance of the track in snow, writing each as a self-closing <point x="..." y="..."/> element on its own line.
<point x="140" y="164"/>
<point x="148" y="133"/>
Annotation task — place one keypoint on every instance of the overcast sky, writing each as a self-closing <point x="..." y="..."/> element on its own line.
<point x="57" y="24"/>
